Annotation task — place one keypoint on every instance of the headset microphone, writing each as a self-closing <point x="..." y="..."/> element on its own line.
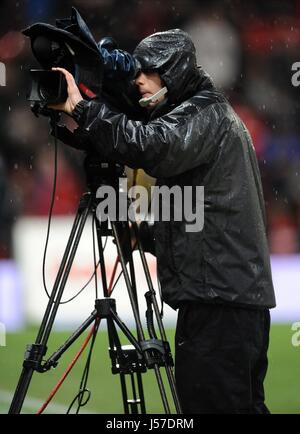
<point x="144" y="102"/>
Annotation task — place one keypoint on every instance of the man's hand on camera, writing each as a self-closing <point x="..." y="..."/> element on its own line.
<point x="74" y="95"/>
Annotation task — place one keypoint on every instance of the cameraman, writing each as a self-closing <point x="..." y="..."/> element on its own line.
<point x="219" y="278"/>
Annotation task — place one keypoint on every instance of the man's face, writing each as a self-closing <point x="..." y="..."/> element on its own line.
<point x="148" y="84"/>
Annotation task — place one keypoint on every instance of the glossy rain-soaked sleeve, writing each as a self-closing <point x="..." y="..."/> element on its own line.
<point x="184" y="138"/>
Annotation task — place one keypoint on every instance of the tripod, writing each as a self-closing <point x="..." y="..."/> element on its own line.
<point x="131" y="360"/>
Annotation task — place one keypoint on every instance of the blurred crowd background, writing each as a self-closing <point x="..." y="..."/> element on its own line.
<point x="247" y="47"/>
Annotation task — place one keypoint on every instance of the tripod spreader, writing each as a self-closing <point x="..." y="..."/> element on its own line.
<point x="104" y="309"/>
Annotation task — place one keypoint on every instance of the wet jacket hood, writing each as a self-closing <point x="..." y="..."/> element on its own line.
<point x="173" y="55"/>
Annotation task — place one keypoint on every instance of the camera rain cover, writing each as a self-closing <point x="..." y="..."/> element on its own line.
<point x="69" y="45"/>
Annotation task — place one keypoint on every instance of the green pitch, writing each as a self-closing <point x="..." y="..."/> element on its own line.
<point x="282" y="383"/>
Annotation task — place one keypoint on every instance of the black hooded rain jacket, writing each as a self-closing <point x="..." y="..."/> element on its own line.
<point x="194" y="139"/>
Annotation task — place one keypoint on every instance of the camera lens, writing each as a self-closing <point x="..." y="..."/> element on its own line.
<point x="45" y="93"/>
<point x="49" y="86"/>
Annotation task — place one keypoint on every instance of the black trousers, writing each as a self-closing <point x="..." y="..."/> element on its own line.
<point x="221" y="358"/>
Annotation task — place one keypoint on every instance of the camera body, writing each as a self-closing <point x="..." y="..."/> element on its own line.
<point x="68" y="45"/>
<point x="99" y="69"/>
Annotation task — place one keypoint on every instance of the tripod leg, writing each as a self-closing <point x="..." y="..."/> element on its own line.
<point x="134" y="402"/>
<point x="137" y="318"/>
<point x="141" y="392"/>
<point x="35" y="352"/>
<point x="59" y="275"/>
<point x="169" y="370"/>
<point x="64" y="270"/>
<point x="102" y="261"/>
<point x="128" y="283"/>
<point x="124" y="393"/>
<point x="155" y="366"/>
<point x="122" y="364"/>
<point x="21" y="390"/>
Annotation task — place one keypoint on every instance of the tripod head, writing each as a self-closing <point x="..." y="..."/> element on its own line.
<point x="101" y="173"/>
<point x="97" y="172"/>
